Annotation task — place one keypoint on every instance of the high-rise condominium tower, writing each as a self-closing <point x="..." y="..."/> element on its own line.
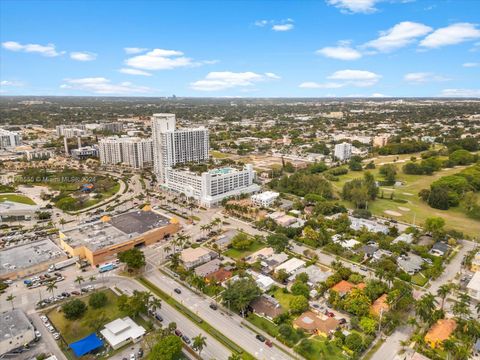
<point x="173" y="146"/>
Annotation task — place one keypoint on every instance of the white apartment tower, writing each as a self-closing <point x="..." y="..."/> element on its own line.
<point x="343" y="151"/>
<point x="9" y="139"/>
<point x="173" y="146"/>
<point x="131" y="151"/>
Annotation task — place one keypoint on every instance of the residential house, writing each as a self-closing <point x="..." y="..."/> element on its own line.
<point x="379" y="306"/>
<point x="259" y="255"/>
<point x="313" y="324"/>
<point x="439" y="249"/>
<point x="314" y="273"/>
<point x="368" y="250"/>
<point x="440" y="331"/>
<point x="208" y="268"/>
<point x="473" y="287"/>
<point x="290" y="266"/>
<point x="406" y="238"/>
<point x="219" y="276"/>
<point x="267" y="307"/>
<point x="344" y="287"/>
<point x="226" y="238"/>
<point x="193" y="257"/>
<point x="476" y="262"/>
<point x="410" y="263"/>
<point x="370" y="225"/>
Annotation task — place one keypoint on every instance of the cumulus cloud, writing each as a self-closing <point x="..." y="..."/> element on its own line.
<point x="423" y="77"/>
<point x="45" y="50"/>
<point x="162" y="59"/>
<point x="10" y="83"/>
<point x="341" y="52"/>
<point x="354" y="6"/>
<point x="451" y="35"/>
<point x="276" y="25"/>
<point x="134" y="50"/>
<point x="474" y="93"/>
<point x="83" y="56"/>
<point x="101" y="85"/>
<point x="222" y="80"/>
<point x="358" y="78"/>
<point x="400" y="35"/>
<point x="470" y="64"/>
<point x="343" y="78"/>
<point x="283" y="27"/>
<point x="134" y="72"/>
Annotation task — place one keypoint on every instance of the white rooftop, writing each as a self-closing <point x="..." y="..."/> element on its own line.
<point x="120" y="330"/>
<point x="474" y="283"/>
<point x="291" y="265"/>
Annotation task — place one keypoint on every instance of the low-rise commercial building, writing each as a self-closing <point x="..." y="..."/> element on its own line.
<point x="194" y="257"/>
<point x="13" y="211"/>
<point x="120" y="332"/>
<point x="473" y="287"/>
<point x="15" y="330"/>
<point x="100" y="241"/>
<point x="265" y="199"/>
<point x="84" y="152"/>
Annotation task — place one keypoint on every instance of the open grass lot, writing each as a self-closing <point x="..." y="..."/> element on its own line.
<point x="283" y="298"/>
<point x="318" y="347"/>
<point x="218" y="155"/>
<point x="238" y="254"/>
<point x="419" y="280"/>
<point x="17" y="198"/>
<point x="264" y="324"/>
<point x="414" y="210"/>
<point x="75" y="330"/>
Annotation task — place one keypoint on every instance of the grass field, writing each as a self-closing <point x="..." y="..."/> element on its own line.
<point x="283" y="298"/>
<point x="414" y="210"/>
<point x="238" y="254"/>
<point x="17" y="198"/>
<point x="266" y="325"/>
<point x="218" y="155"/>
<point x="320" y="348"/>
<point x="419" y="280"/>
<point x="75" y="330"/>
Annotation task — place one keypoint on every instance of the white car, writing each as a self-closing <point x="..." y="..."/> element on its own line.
<point x="44" y="318"/>
<point x="47" y="324"/>
<point x="132" y="356"/>
<point x="56" y="336"/>
<point x="51" y="329"/>
<point x="37" y="334"/>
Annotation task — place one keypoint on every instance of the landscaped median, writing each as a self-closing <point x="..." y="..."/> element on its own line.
<point x="195" y="318"/>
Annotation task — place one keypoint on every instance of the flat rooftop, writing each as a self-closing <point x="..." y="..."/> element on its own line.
<point x="14" y="323"/>
<point x="115" y="230"/>
<point x="24" y="256"/>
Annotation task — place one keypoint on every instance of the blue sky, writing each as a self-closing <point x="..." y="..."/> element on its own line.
<point x="241" y="48"/>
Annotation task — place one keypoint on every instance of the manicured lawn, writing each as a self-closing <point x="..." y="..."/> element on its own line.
<point x="218" y="155"/>
<point x="414" y="210"/>
<point x="283" y="298"/>
<point x="75" y="330"/>
<point x="320" y="348"/>
<point x="17" y="198"/>
<point x="266" y="325"/>
<point x="238" y="254"/>
<point x="419" y="280"/>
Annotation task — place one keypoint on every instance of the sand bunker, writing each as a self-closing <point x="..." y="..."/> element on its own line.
<point x="393" y="213"/>
<point x="403" y="208"/>
<point x="408" y="194"/>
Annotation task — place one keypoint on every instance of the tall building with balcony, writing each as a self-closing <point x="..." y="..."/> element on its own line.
<point x="172" y="146"/>
<point x="343" y="151"/>
<point x="9" y="139"/>
<point x="131" y="151"/>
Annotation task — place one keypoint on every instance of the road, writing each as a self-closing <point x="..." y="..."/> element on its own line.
<point x="230" y="326"/>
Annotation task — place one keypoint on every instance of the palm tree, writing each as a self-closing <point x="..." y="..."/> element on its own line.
<point x="62" y="222"/>
<point x="199" y="342"/>
<point x="92" y="278"/>
<point x="203" y="228"/>
<point x="155" y="303"/>
<point x="443" y="291"/>
<point x="10" y="298"/>
<point x="477" y="307"/>
<point x="450" y="347"/>
<point x="167" y="249"/>
<point x="425" y="306"/>
<point x="79" y="280"/>
<point x="51" y="286"/>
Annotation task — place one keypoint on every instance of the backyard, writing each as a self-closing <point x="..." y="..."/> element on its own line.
<point x="238" y="254"/>
<point x="319" y="348"/>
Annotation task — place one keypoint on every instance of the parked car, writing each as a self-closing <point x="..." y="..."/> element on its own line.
<point x="132" y="356"/>
<point x="342" y="321"/>
<point x="75" y="292"/>
<point x="56" y="336"/>
<point x="158" y="317"/>
<point x="213" y="306"/>
<point x="186" y="339"/>
<point x="44" y="318"/>
<point x="38" y="335"/>
<point x="140" y="352"/>
<point x="51" y="328"/>
<point x="178" y="332"/>
<point x="177" y="290"/>
<point x="268" y="343"/>
<point x="260" y="338"/>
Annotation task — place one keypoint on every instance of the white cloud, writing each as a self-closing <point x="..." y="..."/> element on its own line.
<point x="398" y="36"/>
<point x="461" y="93"/>
<point x="378" y="95"/>
<point x="10" y="83"/>
<point x="354" y="6"/>
<point x="134" y="72"/>
<point x="45" y="50"/>
<point x="161" y="59"/>
<point x="83" y="56"/>
<point x="470" y="64"/>
<point x="101" y="85"/>
<point x="315" y="85"/>
<point x="134" y="50"/>
<point x="358" y="78"/>
<point x="423" y="77"/>
<point x="262" y="23"/>
<point x="222" y="80"/>
<point x="340" y="52"/>
<point x="451" y="35"/>
<point x="283" y="27"/>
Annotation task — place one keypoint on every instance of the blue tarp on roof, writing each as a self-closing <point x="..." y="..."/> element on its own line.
<point x="85" y="345"/>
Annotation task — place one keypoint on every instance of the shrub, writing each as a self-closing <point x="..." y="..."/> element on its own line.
<point x="98" y="300"/>
<point x="74" y="309"/>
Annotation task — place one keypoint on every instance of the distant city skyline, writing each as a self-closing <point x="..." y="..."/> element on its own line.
<point x="331" y="48"/>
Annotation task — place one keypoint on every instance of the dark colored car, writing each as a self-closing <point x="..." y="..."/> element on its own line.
<point x="140" y="352"/>
<point x="260" y="338"/>
<point x="158" y="317"/>
<point x="178" y="332"/>
<point x="186" y="339"/>
<point x="342" y="321"/>
<point x="177" y="290"/>
<point x="57" y="273"/>
<point x="268" y="343"/>
<point x="75" y="292"/>
<point x="213" y="306"/>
